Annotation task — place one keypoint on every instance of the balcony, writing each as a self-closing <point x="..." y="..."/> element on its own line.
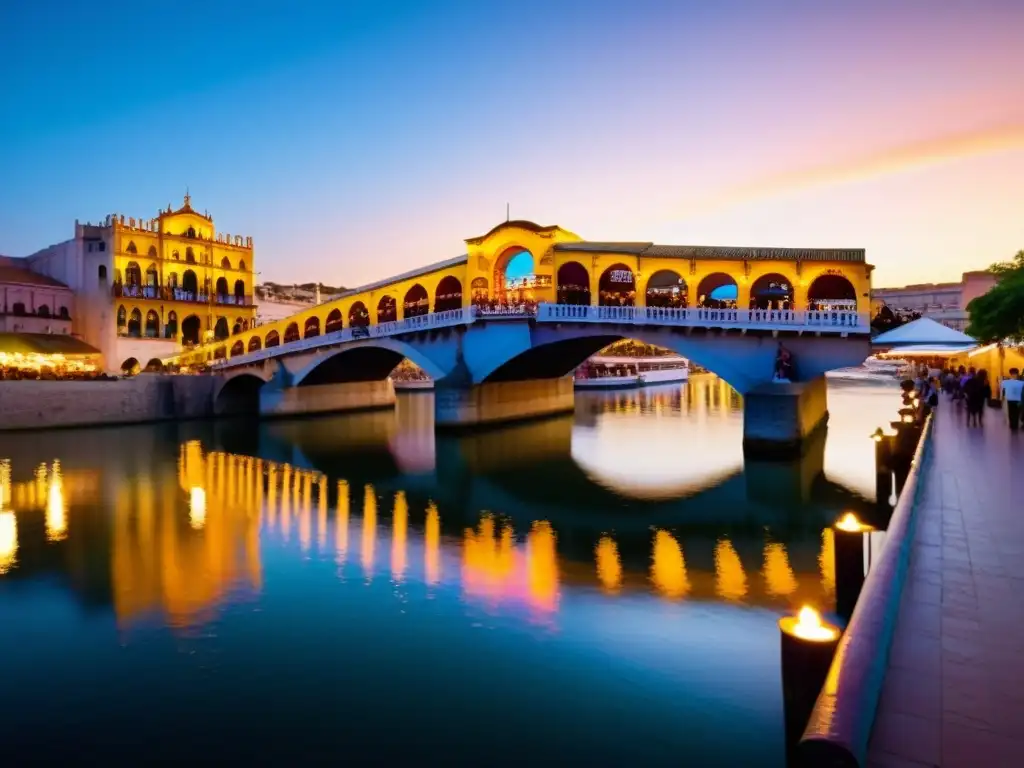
<point x="174" y="293"/>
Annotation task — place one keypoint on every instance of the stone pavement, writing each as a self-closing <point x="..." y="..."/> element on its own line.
<point x="954" y="691"/>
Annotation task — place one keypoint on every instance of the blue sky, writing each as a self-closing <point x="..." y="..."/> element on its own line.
<point x="354" y="140"/>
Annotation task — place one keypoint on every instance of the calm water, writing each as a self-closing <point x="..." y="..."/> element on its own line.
<point x="601" y="589"/>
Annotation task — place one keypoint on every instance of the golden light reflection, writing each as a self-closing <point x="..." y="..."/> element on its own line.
<point x="8" y="541"/>
<point x="286" y="502"/>
<point x="56" y="513"/>
<point x="321" y="518"/>
<point x="369" y="530"/>
<point x="609" y="566"/>
<point x="542" y="565"/>
<point x="668" y="566"/>
<point x="305" y="512"/>
<point x="5" y="484"/>
<point x="778" y="574"/>
<point x="399" y="536"/>
<point x="432" y="545"/>
<point x="197" y="507"/>
<point x="730" y="579"/>
<point x="341" y="524"/>
<point x="827" y="562"/>
<point x="488" y="560"/>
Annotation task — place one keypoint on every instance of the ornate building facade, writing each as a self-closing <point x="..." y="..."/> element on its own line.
<point x="146" y="287"/>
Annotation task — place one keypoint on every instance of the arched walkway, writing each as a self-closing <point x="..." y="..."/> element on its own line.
<point x="190" y="328"/>
<point x="666" y="288"/>
<point x="255" y="344"/>
<point x="334" y="321"/>
<point x="617" y="287"/>
<point x="273" y="340"/>
<point x="238" y="348"/>
<point x="220" y="330"/>
<point x="387" y="309"/>
<point x="771" y="291"/>
<point x="832" y="292"/>
<point x="291" y="333"/>
<point x="448" y="294"/>
<point x="573" y="284"/>
<point x="311" y="328"/>
<point x="416" y="301"/>
<point x="717" y="291"/>
<point x="358" y="315"/>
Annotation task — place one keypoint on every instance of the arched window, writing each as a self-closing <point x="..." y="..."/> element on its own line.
<point x="18" y="308"/>
<point x="131" y="247"/>
<point x="176" y="256"/>
<point x="771" y="291"/>
<point x="43" y="310"/>
<point x="65" y="314"/>
<point x="222" y="287"/>
<point x="225" y="263"/>
<point x="102" y="272"/>
<point x="152" y="325"/>
<point x="478" y="290"/>
<point x="312" y="328"/>
<point x="122" y="319"/>
<point x="255" y="344"/>
<point x="358" y="315"/>
<point x="220" y="329"/>
<point x="190" y="283"/>
<point x="832" y="292"/>
<point x="190" y="328"/>
<point x="171" y="329"/>
<point x="666" y="288"/>
<point x="573" y="284"/>
<point x="448" y="294"/>
<point x="152" y="276"/>
<point x="191" y="232"/>
<point x="241" y="265"/>
<point x="617" y="287"/>
<point x="190" y="257"/>
<point x="237" y="328"/>
<point x="291" y="333"/>
<point x="717" y="291"/>
<point x="130" y="367"/>
<point x="133" y="274"/>
<point x="334" y="321"/>
<point x="273" y="339"/>
<point x="240" y="290"/>
<point x="238" y="348"/>
<point x="416" y="302"/>
<point x="152" y="252"/>
<point x="135" y="323"/>
<point x="387" y="309"/>
<point x="172" y="281"/>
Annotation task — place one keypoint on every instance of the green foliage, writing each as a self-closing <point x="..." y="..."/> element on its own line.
<point x="999" y="314"/>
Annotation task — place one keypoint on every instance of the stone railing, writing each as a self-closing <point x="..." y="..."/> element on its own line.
<point x="700" y="317"/>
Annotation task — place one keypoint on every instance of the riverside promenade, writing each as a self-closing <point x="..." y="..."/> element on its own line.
<point x="954" y="689"/>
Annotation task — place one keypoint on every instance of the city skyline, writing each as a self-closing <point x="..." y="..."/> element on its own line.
<point x="357" y="142"/>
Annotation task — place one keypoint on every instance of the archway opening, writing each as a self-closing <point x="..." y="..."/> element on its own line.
<point x="291" y="333"/>
<point x="152" y="325"/>
<point x="617" y="287"/>
<point x="771" y="291"/>
<point x="225" y="263"/>
<point x="190" y="283"/>
<point x="133" y="274"/>
<point x="135" y="323"/>
<point x="516" y="279"/>
<point x="171" y="327"/>
<point x="222" y="288"/>
<point x="239" y="291"/>
<point x="220" y="329"/>
<point x="416" y="301"/>
<point x="240" y="396"/>
<point x="236" y="328"/>
<point x="130" y="367"/>
<point x="358" y="315"/>
<point x="238" y="348"/>
<point x="334" y="321"/>
<point x="832" y="293"/>
<point x="255" y="344"/>
<point x="717" y="291"/>
<point x="573" y="284"/>
<point x="190" y="257"/>
<point x="359" y="364"/>
<point x="122" y="320"/>
<point x="448" y="294"/>
<point x="387" y="309"/>
<point x="479" y="292"/>
<point x="155" y="365"/>
<point x="190" y="328"/>
<point x="666" y="288"/>
<point x="273" y="340"/>
<point x="311" y="327"/>
<point x="152" y="277"/>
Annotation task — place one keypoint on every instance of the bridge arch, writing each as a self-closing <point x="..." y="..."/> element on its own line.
<point x="573" y="284"/>
<point x="358" y="315"/>
<point x="334" y="321"/>
<point x="273" y="340"/>
<point x="666" y="288"/>
<point x="717" y="290"/>
<point x="771" y="291"/>
<point x="239" y="394"/>
<point x="238" y="348"/>
<point x="311" y="327"/>
<point x="371" y="360"/>
<point x="416" y="301"/>
<point x="387" y="309"/>
<point x="617" y="287"/>
<point x="448" y="294"/>
<point x="255" y="344"/>
<point x="291" y="333"/>
<point x="832" y="291"/>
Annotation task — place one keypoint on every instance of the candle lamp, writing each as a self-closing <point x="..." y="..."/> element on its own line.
<point x="808" y="644"/>
<point x="848" y="559"/>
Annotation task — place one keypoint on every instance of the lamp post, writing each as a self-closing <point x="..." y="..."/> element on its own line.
<point x="848" y="559"/>
<point x="808" y="644"/>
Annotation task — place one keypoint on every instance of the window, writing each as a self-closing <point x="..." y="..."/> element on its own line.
<point x="65" y="314"/>
<point x="102" y="271"/>
<point x="18" y="308"/>
<point x="43" y="311"/>
<point x="103" y="246"/>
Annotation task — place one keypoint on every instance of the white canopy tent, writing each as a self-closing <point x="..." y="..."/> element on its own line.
<point x="925" y="332"/>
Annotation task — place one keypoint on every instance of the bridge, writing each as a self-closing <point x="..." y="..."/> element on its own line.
<point x="500" y="347"/>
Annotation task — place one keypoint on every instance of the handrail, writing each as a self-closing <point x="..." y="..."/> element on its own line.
<point x="839" y="728"/>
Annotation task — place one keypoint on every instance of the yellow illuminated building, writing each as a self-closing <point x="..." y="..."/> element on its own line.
<point x="570" y="270"/>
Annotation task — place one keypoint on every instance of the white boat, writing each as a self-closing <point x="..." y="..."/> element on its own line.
<point x="873" y="369"/>
<point x="606" y="372"/>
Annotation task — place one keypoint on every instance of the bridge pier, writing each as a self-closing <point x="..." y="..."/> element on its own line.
<point x="779" y="420"/>
<point x="326" y="398"/>
<point x="501" y="402"/>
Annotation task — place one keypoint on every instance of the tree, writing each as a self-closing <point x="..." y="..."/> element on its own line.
<point x="999" y="314"/>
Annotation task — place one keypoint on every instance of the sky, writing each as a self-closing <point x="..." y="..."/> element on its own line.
<point x="355" y="140"/>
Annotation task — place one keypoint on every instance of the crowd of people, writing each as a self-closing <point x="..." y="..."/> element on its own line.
<point x="504" y="307"/>
<point x="970" y="391"/>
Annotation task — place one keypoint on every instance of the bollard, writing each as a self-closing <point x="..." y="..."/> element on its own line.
<point x="807" y="647"/>
<point x="848" y="557"/>
<point x="884" y="445"/>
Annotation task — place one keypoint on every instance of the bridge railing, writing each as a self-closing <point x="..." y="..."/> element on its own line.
<point x="705" y="317"/>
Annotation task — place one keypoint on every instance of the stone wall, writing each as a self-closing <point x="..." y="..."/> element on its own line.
<point x="779" y="419"/>
<point x="148" y="397"/>
<point x="326" y="398"/>
<point x="504" y="401"/>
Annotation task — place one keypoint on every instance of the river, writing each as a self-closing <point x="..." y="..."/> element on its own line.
<point x="600" y="589"/>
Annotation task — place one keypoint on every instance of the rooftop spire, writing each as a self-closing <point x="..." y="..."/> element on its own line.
<point x="188" y="199"/>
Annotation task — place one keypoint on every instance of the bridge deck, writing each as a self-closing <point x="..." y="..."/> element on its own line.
<point x="954" y="690"/>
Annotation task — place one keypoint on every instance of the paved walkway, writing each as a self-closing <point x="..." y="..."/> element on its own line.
<point x="954" y="691"/>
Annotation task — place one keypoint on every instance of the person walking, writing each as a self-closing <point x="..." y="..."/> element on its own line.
<point x="1011" y="393"/>
<point x="978" y="392"/>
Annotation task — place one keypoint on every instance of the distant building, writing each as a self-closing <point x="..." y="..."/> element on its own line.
<point x="144" y="287"/>
<point x="33" y="303"/>
<point x="945" y="303"/>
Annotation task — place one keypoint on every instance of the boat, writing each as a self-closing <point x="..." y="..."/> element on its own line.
<point x="613" y="372"/>
<point x="874" y="370"/>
